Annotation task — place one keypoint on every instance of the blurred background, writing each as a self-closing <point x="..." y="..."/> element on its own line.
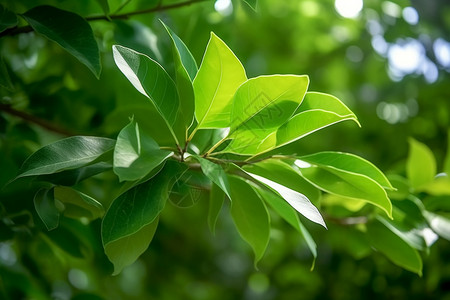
<point x="389" y="61"/>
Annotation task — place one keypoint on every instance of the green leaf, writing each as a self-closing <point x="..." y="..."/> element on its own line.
<point x="215" y="205"/>
<point x="439" y="186"/>
<point x="5" y="79"/>
<point x="447" y="156"/>
<point x="289" y="215"/>
<point x="69" y="30"/>
<point x="78" y="204"/>
<point x="186" y="60"/>
<point x="260" y="106"/>
<point x="8" y="19"/>
<point x="420" y="164"/>
<point x="215" y="173"/>
<point x="189" y="188"/>
<point x="297" y="200"/>
<point x="149" y="119"/>
<point x="104" y="5"/>
<point x="69" y="153"/>
<point x="44" y="202"/>
<point x="74" y="176"/>
<point x="394" y="247"/>
<point x="406" y="232"/>
<point x="136" y="154"/>
<point x="439" y="224"/>
<point x="252" y="3"/>
<point x="185" y="71"/>
<point x="123" y="252"/>
<point x="152" y="81"/>
<point x="250" y="216"/>
<point x="346" y="184"/>
<point x="316" y="112"/>
<point x="401" y="186"/>
<point x="348" y="163"/>
<point x="219" y="76"/>
<point x="126" y="223"/>
<point x="283" y="174"/>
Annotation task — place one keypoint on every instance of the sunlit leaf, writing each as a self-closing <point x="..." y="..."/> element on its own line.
<point x="420" y="165"/>
<point x="69" y="153"/>
<point x="297" y="200"/>
<point x="69" y="30"/>
<point x="219" y="76"/>
<point x="250" y="216"/>
<point x="77" y="204"/>
<point x="282" y="173"/>
<point x="348" y="163"/>
<point x="317" y="111"/>
<point x="8" y="19"/>
<point x="260" y="106"/>
<point x="346" y="184"/>
<point x="151" y="80"/>
<point x="136" y="154"/>
<point x="44" y="202"/>
<point x="394" y="247"/>
<point x="439" y="224"/>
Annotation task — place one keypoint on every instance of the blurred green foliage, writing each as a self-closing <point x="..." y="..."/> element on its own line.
<point x="47" y="94"/>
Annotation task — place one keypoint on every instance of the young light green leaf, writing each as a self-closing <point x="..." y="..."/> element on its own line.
<point x="439" y="224"/>
<point x="317" y="111"/>
<point x="420" y="164"/>
<point x="77" y="204"/>
<point x="260" y="106"/>
<point x="152" y="81"/>
<point x="219" y="76"/>
<point x="394" y="247"/>
<point x="216" y="198"/>
<point x="69" y="153"/>
<point x="250" y="216"/>
<point x="289" y="215"/>
<point x="215" y="173"/>
<point x="44" y="202"/>
<point x="8" y="19"/>
<point x="185" y="71"/>
<point x="125" y="251"/>
<point x="69" y="30"/>
<point x="348" y="163"/>
<point x="346" y="184"/>
<point x="136" y="154"/>
<point x="297" y="200"/>
<point x="132" y="213"/>
<point x="283" y="173"/>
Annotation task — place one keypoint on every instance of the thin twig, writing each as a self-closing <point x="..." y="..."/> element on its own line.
<point x="24" y="29"/>
<point x="35" y="120"/>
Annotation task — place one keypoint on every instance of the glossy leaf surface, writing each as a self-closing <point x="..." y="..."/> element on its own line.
<point x="69" y="153"/>
<point x="69" y="30"/>
<point x="136" y="154"/>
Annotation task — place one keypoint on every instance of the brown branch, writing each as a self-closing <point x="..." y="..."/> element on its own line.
<point x="349" y="221"/>
<point x="24" y="29"/>
<point x="34" y="120"/>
